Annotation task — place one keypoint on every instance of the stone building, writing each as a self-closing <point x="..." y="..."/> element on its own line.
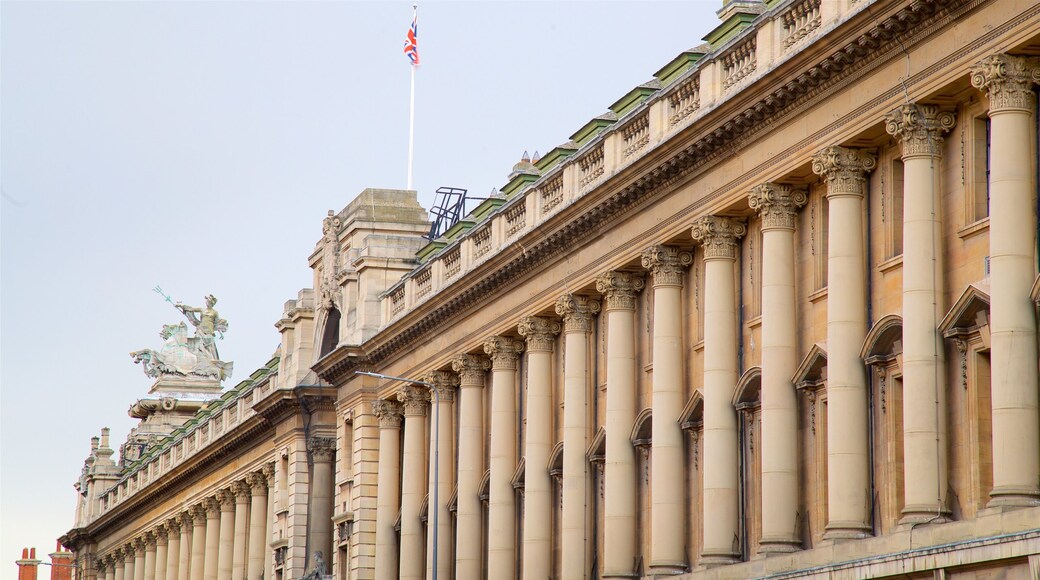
<point x="772" y="315"/>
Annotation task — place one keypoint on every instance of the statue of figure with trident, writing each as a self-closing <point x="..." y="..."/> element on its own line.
<point x="207" y="323"/>
<point x="194" y="357"/>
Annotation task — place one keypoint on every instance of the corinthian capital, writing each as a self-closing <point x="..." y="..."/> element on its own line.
<point x="844" y="170"/>
<point x="540" y="332"/>
<point x="471" y="369"/>
<point x="226" y="499"/>
<point x="322" y="448"/>
<point x="718" y="236"/>
<point x="667" y="264"/>
<point x="415" y="400"/>
<point x="388" y="412"/>
<point x="777" y="204"/>
<point x="444" y="382"/>
<point x="504" y="352"/>
<point x="1007" y="81"/>
<point x="577" y="312"/>
<point x="919" y="129"/>
<point x="620" y="288"/>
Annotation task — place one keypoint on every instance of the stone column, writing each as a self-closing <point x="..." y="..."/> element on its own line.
<point x="416" y="401"/>
<point x="258" y="499"/>
<point x="778" y="206"/>
<point x="667" y="267"/>
<point x="848" y="484"/>
<point x="139" y="558"/>
<point x="118" y="565"/>
<point x="388" y="485"/>
<point x="212" y="547"/>
<point x="184" y="560"/>
<point x="504" y="352"/>
<point x="173" y="549"/>
<point x="440" y="480"/>
<point x="149" y="556"/>
<point x="323" y="482"/>
<point x="540" y="333"/>
<point x="619" y="505"/>
<point x="718" y="237"/>
<point x="1008" y="83"/>
<point x="238" y="558"/>
<point x="104" y="569"/>
<point x="577" y="313"/>
<point x="267" y="471"/>
<point x="129" y="554"/>
<point x="161" y="545"/>
<point x="919" y="129"/>
<point x="226" y="542"/>
<point x="468" y="520"/>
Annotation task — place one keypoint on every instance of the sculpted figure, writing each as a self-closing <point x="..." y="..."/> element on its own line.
<point x="188" y="357"/>
<point x="207" y="323"/>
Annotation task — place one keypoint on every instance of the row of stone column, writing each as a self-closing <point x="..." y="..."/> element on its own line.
<point x="220" y="538"/>
<point x="1016" y="428"/>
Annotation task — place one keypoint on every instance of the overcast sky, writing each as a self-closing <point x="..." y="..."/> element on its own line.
<point x="198" y="145"/>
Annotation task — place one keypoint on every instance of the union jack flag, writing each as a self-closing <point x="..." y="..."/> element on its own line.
<point x="411" y="43"/>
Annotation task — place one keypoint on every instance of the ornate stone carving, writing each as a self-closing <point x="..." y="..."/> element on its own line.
<point x="161" y="535"/>
<point x="147" y="539"/>
<point x="540" y="332"/>
<point x="919" y="129"/>
<point x="845" y="170"/>
<point x="444" y="383"/>
<point x="777" y="204"/>
<point x="388" y="412"/>
<point x="471" y="369"/>
<point x="577" y="312"/>
<point x="226" y="499"/>
<point x="718" y="236"/>
<point x="1007" y="81"/>
<point x="504" y="352"/>
<point x="240" y="489"/>
<point x="667" y="264"/>
<point x="267" y="470"/>
<point x="328" y="292"/>
<point x="211" y="507"/>
<point x="188" y="357"/>
<point x="620" y="288"/>
<point x="187" y="518"/>
<point x="173" y="525"/>
<point x="322" y="449"/>
<point x="416" y="400"/>
<point x="257" y="482"/>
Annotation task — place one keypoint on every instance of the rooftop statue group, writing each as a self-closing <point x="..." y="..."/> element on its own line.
<point x="187" y="357"/>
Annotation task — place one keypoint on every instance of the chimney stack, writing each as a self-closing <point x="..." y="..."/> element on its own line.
<point x="62" y="563"/>
<point x="28" y="565"/>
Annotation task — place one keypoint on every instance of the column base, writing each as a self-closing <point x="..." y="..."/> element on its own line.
<point x="668" y="568"/>
<point x="779" y="546"/>
<point x="923" y="515"/>
<point x="847" y="531"/>
<point x="1014" y="496"/>
<point x="709" y="560"/>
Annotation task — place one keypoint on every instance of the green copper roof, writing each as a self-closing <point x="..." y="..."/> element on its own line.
<point x="680" y="64"/>
<point x="633" y="98"/>
<point x="593" y="128"/>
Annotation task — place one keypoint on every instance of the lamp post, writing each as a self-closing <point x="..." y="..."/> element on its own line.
<point x="436" y="453"/>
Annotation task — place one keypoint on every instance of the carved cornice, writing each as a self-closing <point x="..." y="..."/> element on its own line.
<point x="322" y="449"/>
<point x="919" y="129"/>
<point x="620" y="288"/>
<point x="444" y="383"/>
<point x="1007" y="81"/>
<point x="718" y="236"/>
<point x="471" y="369"/>
<point x="577" y="312"/>
<point x="504" y="352"/>
<point x="667" y="264"/>
<point x="877" y="41"/>
<point x="777" y="204"/>
<point x="844" y="170"/>
<point x="416" y="400"/>
<point x="388" y="412"/>
<point x="540" y="332"/>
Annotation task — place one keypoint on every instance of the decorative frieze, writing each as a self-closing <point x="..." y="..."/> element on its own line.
<point x="504" y="352"/>
<point x="552" y="194"/>
<point x="322" y="449"/>
<point x="389" y="413"/>
<point x="777" y="204"/>
<point x="844" y="170"/>
<point x="444" y="383"/>
<point x="718" y="236"/>
<point x="415" y="400"/>
<point x="539" y="331"/>
<point x="471" y="369"/>
<point x="620" y="288"/>
<point x="667" y="264"/>
<point x="799" y="21"/>
<point x="919" y="129"/>
<point x="684" y="101"/>
<point x="1007" y="81"/>
<point x="577" y="312"/>
<point x="591" y="166"/>
<point x="635" y="135"/>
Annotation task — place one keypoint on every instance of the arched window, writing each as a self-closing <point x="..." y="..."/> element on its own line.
<point x="882" y="351"/>
<point x="330" y="336"/>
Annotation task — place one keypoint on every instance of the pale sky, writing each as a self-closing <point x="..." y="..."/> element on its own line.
<point x="198" y="145"/>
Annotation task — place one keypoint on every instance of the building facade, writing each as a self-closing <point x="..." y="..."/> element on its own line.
<point x="772" y="315"/>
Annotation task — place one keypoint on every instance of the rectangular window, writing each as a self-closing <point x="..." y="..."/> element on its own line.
<point x="895" y="216"/>
<point x="979" y="193"/>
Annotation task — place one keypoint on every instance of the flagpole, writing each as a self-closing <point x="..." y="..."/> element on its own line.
<point x="411" y="113"/>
